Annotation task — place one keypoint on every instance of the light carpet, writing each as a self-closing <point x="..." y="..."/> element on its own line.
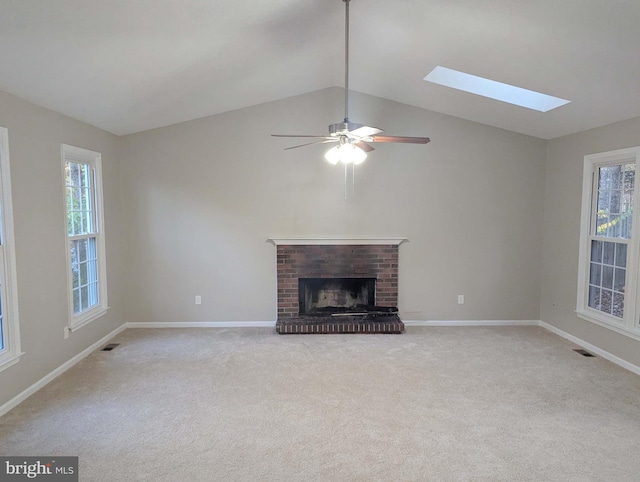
<point x="245" y="404"/>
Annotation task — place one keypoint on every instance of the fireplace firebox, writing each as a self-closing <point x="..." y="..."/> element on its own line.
<point x="335" y="295"/>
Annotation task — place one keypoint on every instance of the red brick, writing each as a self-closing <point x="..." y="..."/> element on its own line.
<point x="330" y="261"/>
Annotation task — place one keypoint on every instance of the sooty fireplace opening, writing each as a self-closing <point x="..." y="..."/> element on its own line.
<point x="328" y="295"/>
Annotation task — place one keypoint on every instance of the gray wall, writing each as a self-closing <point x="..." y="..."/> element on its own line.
<point x="563" y="195"/>
<point x="203" y="197"/>
<point x="35" y="135"/>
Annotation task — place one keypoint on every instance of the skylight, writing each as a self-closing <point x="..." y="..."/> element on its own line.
<point x="494" y="90"/>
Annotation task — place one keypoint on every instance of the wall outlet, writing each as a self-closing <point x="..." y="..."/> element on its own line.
<point x="198" y="300"/>
<point x="461" y="299"/>
<point x="66" y="332"/>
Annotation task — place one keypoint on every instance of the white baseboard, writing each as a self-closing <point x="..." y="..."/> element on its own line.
<point x="271" y="324"/>
<point x="592" y="348"/>
<point x="58" y="371"/>
<point x="471" y="322"/>
<point x="202" y="324"/>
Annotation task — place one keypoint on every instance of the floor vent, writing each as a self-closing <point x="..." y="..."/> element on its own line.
<point x="110" y="346"/>
<point x="584" y="352"/>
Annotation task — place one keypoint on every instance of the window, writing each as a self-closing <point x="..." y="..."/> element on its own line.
<point x="608" y="274"/>
<point x="9" y="326"/>
<point x="85" y="235"/>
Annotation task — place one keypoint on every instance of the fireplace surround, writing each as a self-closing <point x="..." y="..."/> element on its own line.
<point x="373" y="259"/>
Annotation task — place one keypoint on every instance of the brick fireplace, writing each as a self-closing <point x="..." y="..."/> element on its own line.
<point x="298" y="259"/>
<point x="335" y="261"/>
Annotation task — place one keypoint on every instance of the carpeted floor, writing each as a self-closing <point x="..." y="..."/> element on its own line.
<point x="436" y="404"/>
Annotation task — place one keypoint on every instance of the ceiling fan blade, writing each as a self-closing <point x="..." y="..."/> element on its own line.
<point x="407" y="140"/>
<point x="364" y="146"/>
<point x="311" y="143"/>
<point x="297" y="135"/>
<point x="366" y="131"/>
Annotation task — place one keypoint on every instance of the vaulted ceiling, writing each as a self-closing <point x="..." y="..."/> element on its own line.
<point x="128" y="66"/>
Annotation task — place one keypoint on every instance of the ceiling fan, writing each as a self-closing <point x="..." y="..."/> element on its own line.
<point x="353" y="139"/>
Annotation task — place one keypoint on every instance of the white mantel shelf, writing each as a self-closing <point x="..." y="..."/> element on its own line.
<point x="328" y="240"/>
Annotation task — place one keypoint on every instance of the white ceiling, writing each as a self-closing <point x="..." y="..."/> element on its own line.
<point x="128" y="66"/>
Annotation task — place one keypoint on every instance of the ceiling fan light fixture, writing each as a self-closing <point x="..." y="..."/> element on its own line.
<point x="346" y="153"/>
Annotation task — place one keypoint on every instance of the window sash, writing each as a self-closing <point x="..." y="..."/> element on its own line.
<point x="81" y="232"/>
<point x="617" y="218"/>
<point x="607" y="276"/>
<point x="84" y="273"/>
<point x="80" y="196"/>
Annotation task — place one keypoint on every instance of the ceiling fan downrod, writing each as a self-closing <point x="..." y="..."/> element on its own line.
<point x="345" y="126"/>
<point x="346" y="62"/>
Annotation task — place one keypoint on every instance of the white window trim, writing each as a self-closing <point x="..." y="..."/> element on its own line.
<point x="78" y="154"/>
<point x="627" y="326"/>
<point x="12" y="353"/>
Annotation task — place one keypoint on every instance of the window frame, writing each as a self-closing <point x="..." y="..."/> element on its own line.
<point x="628" y="325"/>
<point x="11" y="352"/>
<point x="94" y="160"/>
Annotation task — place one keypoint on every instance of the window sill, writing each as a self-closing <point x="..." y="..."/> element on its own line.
<point x="618" y="327"/>
<point x="10" y="360"/>
<point x="78" y="322"/>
